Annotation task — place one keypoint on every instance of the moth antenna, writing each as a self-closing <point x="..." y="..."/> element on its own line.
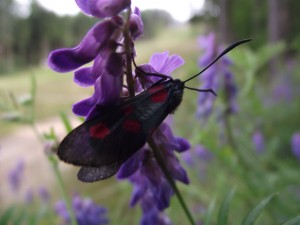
<point x="202" y="90"/>
<point x="163" y="76"/>
<point x="228" y="49"/>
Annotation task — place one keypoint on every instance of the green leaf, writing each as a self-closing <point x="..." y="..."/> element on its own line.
<point x="66" y="122"/>
<point x="253" y="215"/>
<point x="7" y="215"/>
<point x="208" y="214"/>
<point x="224" y="209"/>
<point x="12" y="116"/>
<point x="293" y="221"/>
<point x="25" y="100"/>
<point x="19" y="219"/>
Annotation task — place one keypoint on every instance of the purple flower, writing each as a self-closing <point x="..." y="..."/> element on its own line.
<point x="103" y="8"/>
<point x="103" y="44"/>
<point x="295" y="142"/>
<point x="44" y="194"/>
<point x="212" y="78"/>
<point x="85" y="210"/>
<point x="29" y="196"/>
<point x="15" y="175"/>
<point x="258" y="142"/>
<point x="68" y="59"/>
<point x="151" y="188"/>
<point x="106" y="44"/>
<point x="160" y="63"/>
<point x="199" y="158"/>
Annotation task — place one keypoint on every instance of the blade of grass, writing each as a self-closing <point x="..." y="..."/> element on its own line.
<point x="253" y="215"/>
<point x="208" y="215"/>
<point x="224" y="209"/>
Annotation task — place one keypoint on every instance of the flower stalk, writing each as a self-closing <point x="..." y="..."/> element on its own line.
<point x="170" y="179"/>
<point x="62" y="189"/>
<point x="127" y="46"/>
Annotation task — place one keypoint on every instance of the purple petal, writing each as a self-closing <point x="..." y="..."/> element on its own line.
<point x="165" y="64"/>
<point x="84" y="6"/>
<point x="136" y="25"/>
<point x="114" y="65"/>
<point x="131" y="165"/>
<point x="182" y="144"/>
<point x="162" y="194"/>
<point x="83" y="107"/>
<point x="188" y="158"/>
<point x="110" y="88"/>
<point x="68" y="59"/>
<point x="107" y="93"/>
<point x="85" y="77"/>
<point x="146" y="81"/>
<point x="15" y="175"/>
<point x="203" y="153"/>
<point x="176" y="169"/>
<point x="103" y="8"/>
<point x="295" y="142"/>
<point x="140" y="187"/>
<point x="207" y="43"/>
<point x="106" y="60"/>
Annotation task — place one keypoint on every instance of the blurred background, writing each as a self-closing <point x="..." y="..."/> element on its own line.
<point x="35" y="104"/>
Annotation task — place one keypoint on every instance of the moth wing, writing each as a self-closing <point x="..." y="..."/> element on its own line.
<point x="92" y="174"/>
<point x="103" y="140"/>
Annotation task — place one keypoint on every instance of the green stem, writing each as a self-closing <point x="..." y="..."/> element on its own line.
<point x="170" y="179"/>
<point x="63" y="192"/>
<point x="127" y="46"/>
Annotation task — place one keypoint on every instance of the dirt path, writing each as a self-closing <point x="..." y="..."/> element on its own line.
<point x="24" y="145"/>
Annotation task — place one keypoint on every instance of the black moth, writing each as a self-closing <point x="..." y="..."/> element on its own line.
<point x="101" y="144"/>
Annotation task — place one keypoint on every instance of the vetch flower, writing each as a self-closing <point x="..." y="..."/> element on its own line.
<point x="258" y="142"/>
<point x="68" y="59"/>
<point x="85" y="210"/>
<point x="15" y="175"/>
<point x="198" y="158"/>
<point x="44" y="194"/>
<point x="216" y="77"/>
<point x="103" y="44"/>
<point x="110" y="45"/>
<point x="103" y="8"/>
<point x="295" y="142"/>
<point x="151" y="187"/>
<point x="29" y="196"/>
<point x="160" y="63"/>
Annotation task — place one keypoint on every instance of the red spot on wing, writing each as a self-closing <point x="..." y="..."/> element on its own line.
<point x="128" y="109"/>
<point x="132" y="126"/>
<point x="158" y="93"/>
<point x="99" y="131"/>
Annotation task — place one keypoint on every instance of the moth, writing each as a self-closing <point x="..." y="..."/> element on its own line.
<point x="103" y="143"/>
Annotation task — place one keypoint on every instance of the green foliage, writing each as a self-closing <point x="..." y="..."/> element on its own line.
<point x="28" y="40"/>
<point x="253" y="215"/>
<point x="162" y="19"/>
<point x="293" y="221"/>
<point x="224" y="209"/>
<point x="253" y="176"/>
<point x="249" y="219"/>
<point x="253" y="62"/>
<point x="21" y="108"/>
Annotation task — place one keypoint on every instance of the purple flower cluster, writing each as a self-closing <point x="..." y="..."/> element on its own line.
<point x="295" y="142"/>
<point x="103" y="44"/>
<point x="15" y="175"/>
<point x="258" y="142"/>
<point x="199" y="159"/>
<point x="85" y="210"/>
<point x="106" y="44"/>
<point x="151" y="188"/>
<point x="212" y="77"/>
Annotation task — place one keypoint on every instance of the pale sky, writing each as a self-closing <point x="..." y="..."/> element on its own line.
<point x="179" y="9"/>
